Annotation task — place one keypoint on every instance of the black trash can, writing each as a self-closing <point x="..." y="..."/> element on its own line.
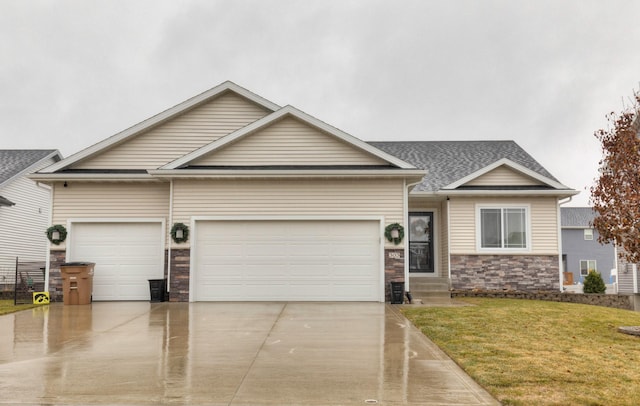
<point x="157" y="289"/>
<point x="397" y="292"/>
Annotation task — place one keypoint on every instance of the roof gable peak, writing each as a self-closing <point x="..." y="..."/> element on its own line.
<point x="511" y="165"/>
<point x="163" y="117"/>
<point x="286" y="111"/>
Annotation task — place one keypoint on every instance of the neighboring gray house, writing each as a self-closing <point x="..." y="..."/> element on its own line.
<point x="581" y="251"/>
<point x="24" y="205"/>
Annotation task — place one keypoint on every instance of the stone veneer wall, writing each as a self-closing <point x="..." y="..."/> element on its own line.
<point x="56" y="258"/>
<point x="393" y="269"/>
<point x="179" y="283"/>
<point x="498" y="272"/>
<point x="625" y="302"/>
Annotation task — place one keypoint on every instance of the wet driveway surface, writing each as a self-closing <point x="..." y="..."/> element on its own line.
<point x="138" y="353"/>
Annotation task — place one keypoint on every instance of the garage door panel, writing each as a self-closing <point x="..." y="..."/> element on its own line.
<point x="126" y="256"/>
<point x="287" y="260"/>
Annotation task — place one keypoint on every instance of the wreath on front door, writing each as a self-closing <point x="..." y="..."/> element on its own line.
<point x="60" y="234"/>
<point x="180" y="233"/>
<point x="389" y="234"/>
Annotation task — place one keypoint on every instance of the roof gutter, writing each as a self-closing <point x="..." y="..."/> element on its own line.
<point x="553" y="192"/>
<point x="57" y="177"/>
<point x="285" y="173"/>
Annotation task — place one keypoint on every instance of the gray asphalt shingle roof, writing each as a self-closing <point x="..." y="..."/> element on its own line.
<point x="449" y="161"/>
<point x="14" y="161"/>
<point x="577" y="216"/>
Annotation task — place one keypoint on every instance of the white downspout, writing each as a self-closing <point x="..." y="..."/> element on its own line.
<point x="634" y="268"/>
<point x="559" y="220"/>
<point x="170" y="242"/>
<point x="449" y="240"/>
<point x="48" y="257"/>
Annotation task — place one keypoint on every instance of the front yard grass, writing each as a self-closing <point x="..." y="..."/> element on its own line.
<point x="527" y="352"/>
<point x="7" y="306"/>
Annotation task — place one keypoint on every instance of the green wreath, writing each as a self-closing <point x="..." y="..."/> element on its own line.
<point x="388" y="231"/>
<point x="179" y="228"/>
<point x="62" y="234"/>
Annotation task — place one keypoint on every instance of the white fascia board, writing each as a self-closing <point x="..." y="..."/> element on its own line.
<point x="490" y="193"/>
<point x="57" y="177"/>
<point x="271" y="118"/>
<point x="287" y="173"/>
<point x="159" y="118"/>
<point x="507" y="162"/>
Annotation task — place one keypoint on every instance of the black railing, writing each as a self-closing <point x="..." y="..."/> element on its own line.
<point x="19" y="280"/>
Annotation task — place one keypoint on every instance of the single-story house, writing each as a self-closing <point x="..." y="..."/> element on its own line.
<point x="24" y="206"/>
<point x="581" y="251"/>
<point x="231" y="197"/>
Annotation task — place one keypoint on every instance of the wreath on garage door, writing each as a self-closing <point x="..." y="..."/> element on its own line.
<point x="179" y="233"/>
<point x="56" y="234"/>
<point x="392" y="235"/>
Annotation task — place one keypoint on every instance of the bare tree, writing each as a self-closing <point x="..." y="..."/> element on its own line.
<point x="616" y="194"/>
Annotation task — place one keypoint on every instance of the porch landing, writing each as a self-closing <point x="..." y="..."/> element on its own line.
<point x="428" y="288"/>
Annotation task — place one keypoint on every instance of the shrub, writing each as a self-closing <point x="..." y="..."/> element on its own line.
<point x="593" y="283"/>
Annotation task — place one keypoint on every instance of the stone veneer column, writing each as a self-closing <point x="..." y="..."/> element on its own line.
<point x="505" y="272"/>
<point x="56" y="258"/>
<point x="179" y="283"/>
<point x="393" y="269"/>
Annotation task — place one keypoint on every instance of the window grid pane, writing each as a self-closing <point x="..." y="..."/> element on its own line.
<point x="491" y="228"/>
<point x="514" y="228"/>
<point x="503" y="228"/>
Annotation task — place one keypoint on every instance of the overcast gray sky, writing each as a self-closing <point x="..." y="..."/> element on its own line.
<point x="542" y="73"/>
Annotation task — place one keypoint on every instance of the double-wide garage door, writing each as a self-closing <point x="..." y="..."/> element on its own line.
<point x="287" y="260"/>
<point x="126" y="254"/>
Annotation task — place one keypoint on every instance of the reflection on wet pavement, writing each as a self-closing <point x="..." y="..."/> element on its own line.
<point x="224" y="353"/>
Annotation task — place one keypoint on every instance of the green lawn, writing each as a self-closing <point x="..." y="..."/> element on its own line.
<point x="6" y="306"/>
<point x="540" y="353"/>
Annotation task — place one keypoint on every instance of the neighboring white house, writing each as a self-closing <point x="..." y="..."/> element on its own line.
<point x="24" y="206"/>
<point x="274" y="204"/>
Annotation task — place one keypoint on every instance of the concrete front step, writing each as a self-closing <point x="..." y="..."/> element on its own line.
<point x="430" y="295"/>
<point x="425" y="288"/>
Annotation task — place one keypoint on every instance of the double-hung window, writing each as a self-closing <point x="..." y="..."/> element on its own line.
<point x="503" y="228"/>
<point x="587" y="265"/>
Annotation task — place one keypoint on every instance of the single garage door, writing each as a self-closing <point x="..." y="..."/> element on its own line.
<point x="287" y="260"/>
<point x="127" y="255"/>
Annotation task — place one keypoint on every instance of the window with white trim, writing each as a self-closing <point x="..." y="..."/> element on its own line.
<point x="587" y="265"/>
<point x="503" y="228"/>
<point x="588" y="234"/>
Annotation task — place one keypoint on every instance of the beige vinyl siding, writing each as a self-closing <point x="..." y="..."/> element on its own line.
<point x="542" y="215"/>
<point x="110" y="200"/>
<point x="24" y="225"/>
<point x="289" y="142"/>
<point x="503" y="176"/>
<point x="175" y="138"/>
<point x="287" y="197"/>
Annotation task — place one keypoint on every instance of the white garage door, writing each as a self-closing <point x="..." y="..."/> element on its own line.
<point x="127" y="255"/>
<point x="287" y="260"/>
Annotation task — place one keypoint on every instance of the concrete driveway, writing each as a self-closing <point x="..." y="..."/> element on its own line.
<point x="138" y="353"/>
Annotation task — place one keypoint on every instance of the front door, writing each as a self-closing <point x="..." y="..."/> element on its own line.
<point x="421" y="242"/>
